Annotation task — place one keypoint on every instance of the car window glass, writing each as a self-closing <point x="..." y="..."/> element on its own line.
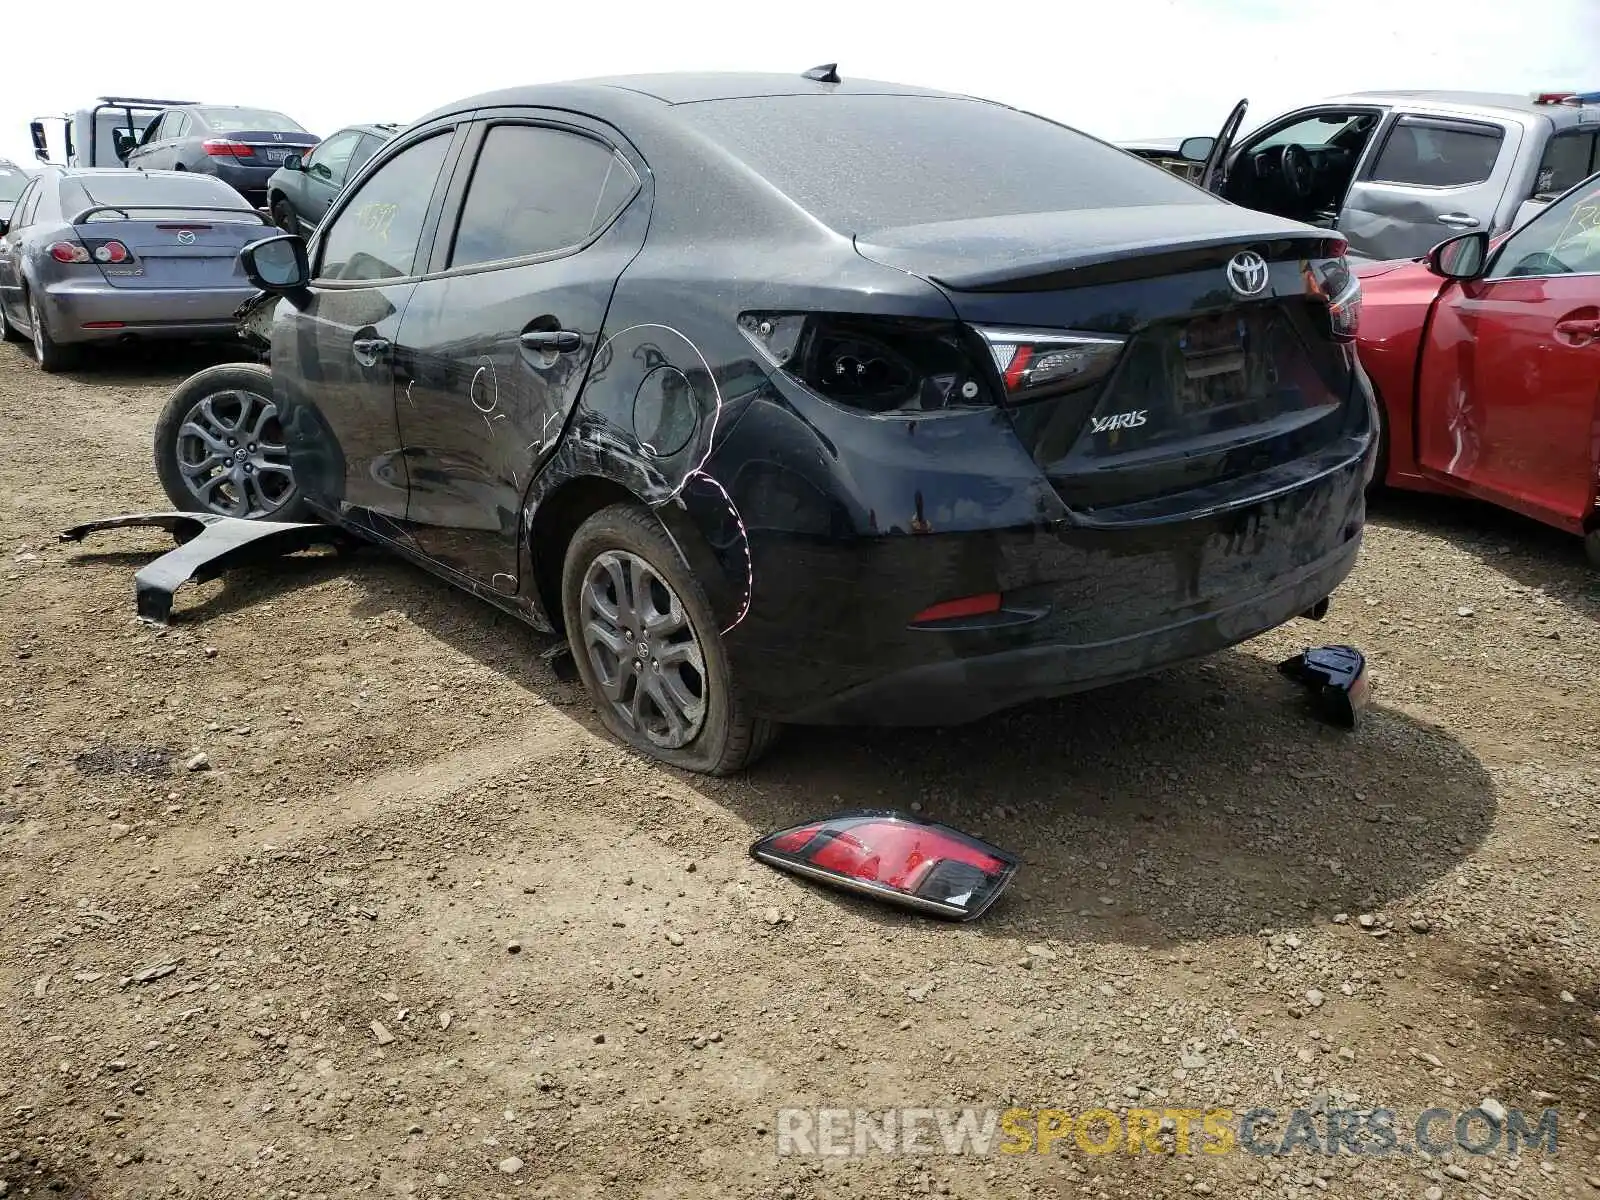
<point x="1562" y="240"/>
<point x="12" y="181"/>
<point x="1314" y="131"/>
<point x="1436" y="154"/>
<point x="1568" y="159"/>
<point x="177" y="126"/>
<point x="365" y="149"/>
<point x="536" y="190"/>
<point x="330" y="160"/>
<point x="375" y="236"/>
<point x="152" y="132"/>
<point x="236" y="120"/>
<point x="31" y="209"/>
<point x="25" y="204"/>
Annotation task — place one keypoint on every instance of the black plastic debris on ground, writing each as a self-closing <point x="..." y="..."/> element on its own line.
<point x="208" y="545"/>
<point x="1337" y="679"/>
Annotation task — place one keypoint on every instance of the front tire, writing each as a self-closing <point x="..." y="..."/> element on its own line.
<point x="284" y="215"/>
<point x="648" y="650"/>
<point x="219" y="447"/>
<point x="8" y="331"/>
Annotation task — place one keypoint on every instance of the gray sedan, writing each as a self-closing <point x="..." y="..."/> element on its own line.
<point x="95" y="255"/>
<point x="240" y="146"/>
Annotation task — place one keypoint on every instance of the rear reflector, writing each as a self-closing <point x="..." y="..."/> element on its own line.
<point x="69" y="252"/>
<point x="897" y="858"/>
<point x="966" y="606"/>
<point x="223" y="148"/>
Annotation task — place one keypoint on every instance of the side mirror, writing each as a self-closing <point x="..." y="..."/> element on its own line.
<point x="278" y="264"/>
<point x="41" y="147"/>
<point x="294" y="162"/>
<point x="1196" y="149"/>
<point x="1461" y="257"/>
<point x="5" y="227"/>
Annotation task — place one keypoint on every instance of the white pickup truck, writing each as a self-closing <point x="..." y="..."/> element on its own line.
<point x="101" y="134"/>
<point x="1399" y="172"/>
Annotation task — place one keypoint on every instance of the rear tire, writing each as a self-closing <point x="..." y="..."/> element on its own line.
<point x="624" y="585"/>
<point x="230" y="404"/>
<point x="50" y="356"/>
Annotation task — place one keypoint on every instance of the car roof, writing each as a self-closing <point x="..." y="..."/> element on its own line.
<point x="1486" y="103"/>
<point x="610" y="93"/>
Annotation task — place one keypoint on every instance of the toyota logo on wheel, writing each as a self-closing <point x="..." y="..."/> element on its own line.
<point x="1248" y="273"/>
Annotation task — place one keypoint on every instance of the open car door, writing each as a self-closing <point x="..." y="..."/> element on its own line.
<point x="1213" y="176"/>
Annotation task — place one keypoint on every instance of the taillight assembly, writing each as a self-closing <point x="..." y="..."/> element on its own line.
<point x="1336" y="285"/>
<point x="69" y="252"/>
<point x="1035" y="364"/>
<point x="875" y="364"/>
<point x="226" y="148"/>
<point x="109" y="252"/>
<point x="893" y="857"/>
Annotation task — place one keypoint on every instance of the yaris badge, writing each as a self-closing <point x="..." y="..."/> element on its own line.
<point x="1248" y="273"/>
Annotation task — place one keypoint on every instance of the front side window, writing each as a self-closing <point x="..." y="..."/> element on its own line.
<point x="1562" y="240"/>
<point x="376" y="235"/>
<point x="1424" y="152"/>
<point x="330" y="161"/>
<point x="152" y="131"/>
<point x="537" y="190"/>
<point x="1319" y="130"/>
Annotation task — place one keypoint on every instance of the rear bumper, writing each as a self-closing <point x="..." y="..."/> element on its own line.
<point x="828" y="638"/>
<point x="141" y="312"/>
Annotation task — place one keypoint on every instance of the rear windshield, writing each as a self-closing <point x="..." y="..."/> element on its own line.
<point x="12" y="181"/>
<point x="860" y="163"/>
<point x="150" y="196"/>
<point x="235" y="120"/>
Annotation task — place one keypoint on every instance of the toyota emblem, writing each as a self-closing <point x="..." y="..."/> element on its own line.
<point x="186" y="238"/>
<point x="1248" y="273"/>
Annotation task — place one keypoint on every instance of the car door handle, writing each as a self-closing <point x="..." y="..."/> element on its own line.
<point x="370" y="347"/>
<point x="1458" y="220"/>
<point x="1578" y="331"/>
<point x="562" y="341"/>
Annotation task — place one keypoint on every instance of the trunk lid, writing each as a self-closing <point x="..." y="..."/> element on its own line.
<point x="174" y="249"/>
<point x="271" y="147"/>
<point x="1214" y="392"/>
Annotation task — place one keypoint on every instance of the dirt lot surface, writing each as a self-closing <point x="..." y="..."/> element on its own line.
<point x="417" y="922"/>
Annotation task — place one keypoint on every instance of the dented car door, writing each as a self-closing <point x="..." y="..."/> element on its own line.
<point x="1427" y="177"/>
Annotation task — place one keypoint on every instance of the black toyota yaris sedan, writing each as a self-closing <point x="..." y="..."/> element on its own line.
<point x="796" y="400"/>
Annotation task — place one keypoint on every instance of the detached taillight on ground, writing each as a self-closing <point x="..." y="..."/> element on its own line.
<point x="69" y="252"/>
<point x="896" y="858"/>
<point x="224" y="148"/>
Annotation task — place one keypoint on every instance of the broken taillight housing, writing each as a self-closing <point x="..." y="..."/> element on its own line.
<point x="875" y="364"/>
<point x="1336" y="285"/>
<point x="896" y="858"/>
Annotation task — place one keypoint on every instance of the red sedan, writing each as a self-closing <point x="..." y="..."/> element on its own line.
<point x="1486" y="359"/>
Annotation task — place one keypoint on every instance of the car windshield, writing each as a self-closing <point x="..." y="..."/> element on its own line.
<point x="12" y="181"/>
<point x="865" y="162"/>
<point x="150" y="196"/>
<point x="232" y="120"/>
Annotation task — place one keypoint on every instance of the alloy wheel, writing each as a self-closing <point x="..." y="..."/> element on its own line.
<point x="643" y="648"/>
<point x="37" y="322"/>
<point x="231" y="454"/>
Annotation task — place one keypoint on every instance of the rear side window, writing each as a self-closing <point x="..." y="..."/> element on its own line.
<point x="1568" y="160"/>
<point x="26" y="203"/>
<point x="1431" y="153"/>
<point x="538" y="190"/>
<point x="861" y="163"/>
<point x="376" y="235"/>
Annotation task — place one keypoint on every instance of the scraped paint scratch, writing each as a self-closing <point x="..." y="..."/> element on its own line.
<point x="744" y="537"/>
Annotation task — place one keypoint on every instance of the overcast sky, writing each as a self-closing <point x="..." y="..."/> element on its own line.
<point x="1116" y="68"/>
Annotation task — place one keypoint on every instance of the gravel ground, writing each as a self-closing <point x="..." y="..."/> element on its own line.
<point x="414" y="927"/>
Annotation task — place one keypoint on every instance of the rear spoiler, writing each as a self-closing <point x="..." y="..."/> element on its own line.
<point x="126" y="209"/>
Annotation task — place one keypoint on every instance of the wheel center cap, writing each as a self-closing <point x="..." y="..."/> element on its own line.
<point x="644" y="649"/>
<point x="239" y="455"/>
